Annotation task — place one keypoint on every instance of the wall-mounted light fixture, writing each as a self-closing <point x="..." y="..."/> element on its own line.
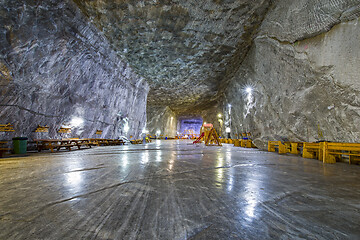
<point x="248" y="90"/>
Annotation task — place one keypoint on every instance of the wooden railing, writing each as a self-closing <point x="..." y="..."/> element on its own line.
<point x="327" y="152"/>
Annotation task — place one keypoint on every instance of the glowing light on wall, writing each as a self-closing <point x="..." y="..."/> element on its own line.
<point x="158" y="132"/>
<point x="248" y="90"/>
<point x="227" y="130"/>
<point x="219" y="115"/>
<point x="126" y="127"/>
<point x="250" y="103"/>
<point x="76" y="122"/>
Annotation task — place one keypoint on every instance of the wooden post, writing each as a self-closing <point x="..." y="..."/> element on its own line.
<point x="294" y="148"/>
<point x="306" y="153"/>
<point x="282" y="148"/>
<point x="327" y="158"/>
<point x="271" y="147"/>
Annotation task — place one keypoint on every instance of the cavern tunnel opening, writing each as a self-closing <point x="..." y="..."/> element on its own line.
<point x="98" y="100"/>
<point x="188" y="126"/>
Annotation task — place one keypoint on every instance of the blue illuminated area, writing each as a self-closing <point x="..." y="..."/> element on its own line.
<point x="186" y="124"/>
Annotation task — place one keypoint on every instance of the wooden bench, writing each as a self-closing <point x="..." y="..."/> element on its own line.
<point x="294" y="147"/>
<point x="136" y="141"/>
<point x="93" y="141"/>
<point x="116" y="142"/>
<point x="311" y="150"/>
<point x="4" y="148"/>
<point x="81" y="142"/>
<point x="249" y="143"/>
<point x="51" y="144"/>
<point x="286" y="147"/>
<point x="277" y="145"/>
<point x="105" y="142"/>
<point x="45" y="144"/>
<point x="332" y="151"/>
<point x="102" y="142"/>
<point x="4" y="144"/>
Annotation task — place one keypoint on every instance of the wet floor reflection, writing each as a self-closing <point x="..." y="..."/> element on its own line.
<point x="145" y="157"/>
<point x="74" y="179"/>
<point x="172" y="189"/>
<point x="219" y="170"/>
<point x="158" y="156"/>
<point x="171" y="162"/>
<point x="158" y="144"/>
<point x="251" y="198"/>
<point x="124" y="161"/>
<point x="74" y="176"/>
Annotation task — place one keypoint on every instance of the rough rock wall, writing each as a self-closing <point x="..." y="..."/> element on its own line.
<point x="183" y="48"/>
<point x="161" y="119"/>
<point x="304" y="90"/>
<point x="210" y="115"/>
<point x="56" y="69"/>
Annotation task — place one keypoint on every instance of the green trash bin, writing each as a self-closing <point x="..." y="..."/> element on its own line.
<point x="20" y="145"/>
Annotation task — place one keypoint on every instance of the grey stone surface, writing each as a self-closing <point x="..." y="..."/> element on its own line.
<point x="55" y="66"/>
<point x="305" y="91"/>
<point x="161" y="121"/>
<point x="177" y="190"/>
<point x="294" y="20"/>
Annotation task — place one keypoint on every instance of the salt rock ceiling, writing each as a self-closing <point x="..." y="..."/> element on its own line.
<point x="187" y="50"/>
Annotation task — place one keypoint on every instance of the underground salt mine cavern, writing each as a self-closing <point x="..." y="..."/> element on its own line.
<point x="169" y="119"/>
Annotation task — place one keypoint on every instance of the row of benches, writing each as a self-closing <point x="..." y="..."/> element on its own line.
<point x="51" y="144"/>
<point x="69" y="143"/>
<point x="327" y="152"/>
<point x="247" y="143"/>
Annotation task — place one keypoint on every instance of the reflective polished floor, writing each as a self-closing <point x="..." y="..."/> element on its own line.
<point x="175" y="190"/>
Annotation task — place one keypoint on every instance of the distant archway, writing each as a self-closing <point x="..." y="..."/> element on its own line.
<point x="186" y="124"/>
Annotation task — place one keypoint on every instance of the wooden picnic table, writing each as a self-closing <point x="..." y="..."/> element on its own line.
<point x="106" y="142"/>
<point x="57" y="144"/>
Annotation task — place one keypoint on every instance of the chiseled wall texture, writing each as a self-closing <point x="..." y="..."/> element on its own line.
<point x="56" y="67"/>
<point x="304" y="71"/>
<point x="163" y="119"/>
